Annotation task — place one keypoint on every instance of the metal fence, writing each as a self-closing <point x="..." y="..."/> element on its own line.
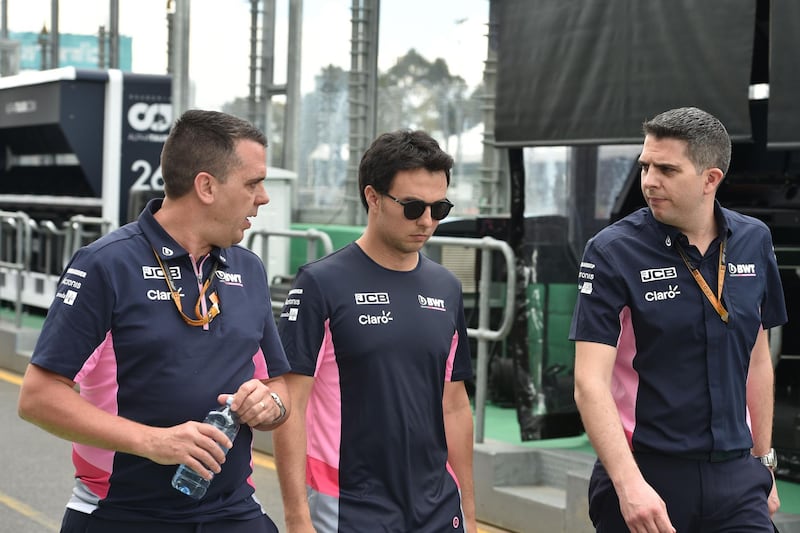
<point x="35" y="253"/>
<point x="15" y="238"/>
<point x="484" y="334"/>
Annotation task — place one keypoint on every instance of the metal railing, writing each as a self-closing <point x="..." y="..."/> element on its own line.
<point x="17" y="231"/>
<point x="484" y="334"/>
<point x="35" y="253"/>
<point x="81" y="230"/>
<point x="50" y="250"/>
<point x="311" y="235"/>
<point x="15" y="239"/>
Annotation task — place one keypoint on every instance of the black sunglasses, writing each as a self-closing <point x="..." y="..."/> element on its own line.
<point x="413" y="209"/>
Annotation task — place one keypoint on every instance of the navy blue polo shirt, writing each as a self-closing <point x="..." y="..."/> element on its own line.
<point x="381" y="344"/>
<point x="679" y="380"/>
<point x="114" y="329"/>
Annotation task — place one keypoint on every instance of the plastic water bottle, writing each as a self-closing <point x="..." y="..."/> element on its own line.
<point x="187" y="480"/>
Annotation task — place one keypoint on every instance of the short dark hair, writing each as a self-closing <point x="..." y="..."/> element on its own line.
<point x="203" y="141"/>
<point x="708" y="144"/>
<point x="399" y="150"/>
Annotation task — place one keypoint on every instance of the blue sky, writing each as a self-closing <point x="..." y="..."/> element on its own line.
<point x="454" y="30"/>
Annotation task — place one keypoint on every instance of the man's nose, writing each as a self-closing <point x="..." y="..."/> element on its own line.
<point x="649" y="179"/>
<point x="263" y="196"/>
<point x="426" y="218"/>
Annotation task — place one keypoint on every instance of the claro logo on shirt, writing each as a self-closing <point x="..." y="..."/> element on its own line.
<point x="163" y="296"/>
<point x="672" y="292"/>
<point x="375" y="320"/>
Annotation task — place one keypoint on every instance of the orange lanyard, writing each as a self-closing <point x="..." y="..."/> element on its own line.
<point x="715" y="299"/>
<point x="205" y="318"/>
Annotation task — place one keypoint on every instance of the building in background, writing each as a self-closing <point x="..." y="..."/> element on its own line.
<point x="79" y="51"/>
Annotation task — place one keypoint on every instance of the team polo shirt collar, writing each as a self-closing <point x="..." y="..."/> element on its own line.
<point x="672" y="234"/>
<point x="161" y="241"/>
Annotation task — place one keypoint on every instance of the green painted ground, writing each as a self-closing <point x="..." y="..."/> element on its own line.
<point x="33" y="321"/>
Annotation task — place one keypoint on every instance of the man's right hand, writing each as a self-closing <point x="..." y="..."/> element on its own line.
<point x="643" y="509"/>
<point x="195" y="444"/>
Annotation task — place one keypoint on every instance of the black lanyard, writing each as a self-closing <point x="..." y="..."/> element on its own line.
<point x="715" y="299"/>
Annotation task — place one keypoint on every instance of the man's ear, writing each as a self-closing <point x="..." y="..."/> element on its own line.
<point x="205" y="186"/>
<point x="714" y="177"/>
<point x="371" y="195"/>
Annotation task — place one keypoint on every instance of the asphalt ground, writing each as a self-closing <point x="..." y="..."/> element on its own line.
<point x="36" y="478"/>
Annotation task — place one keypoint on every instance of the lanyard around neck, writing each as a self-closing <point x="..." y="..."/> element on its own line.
<point x="715" y="299"/>
<point x="204" y="318"/>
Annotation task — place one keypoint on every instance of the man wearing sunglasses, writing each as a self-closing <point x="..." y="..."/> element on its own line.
<point x="160" y="322"/>
<point x="381" y="436"/>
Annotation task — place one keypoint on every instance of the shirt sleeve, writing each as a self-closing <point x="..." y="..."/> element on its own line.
<point x="302" y="323"/>
<point x="271" y="349"/>
<point x="773" y="304"/>
<point x="79" y="317"/>
<point x="462" y="362"/>
<point x="602" y="295"/>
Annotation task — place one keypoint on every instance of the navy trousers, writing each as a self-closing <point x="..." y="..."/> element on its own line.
<point x="77" y="522"/>
<point x="701" y="496"/>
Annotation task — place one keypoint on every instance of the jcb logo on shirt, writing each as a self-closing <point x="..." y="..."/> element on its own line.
<point x="369" y="298"/>
<point x="155" y="272"/>
<point x="658" y="274"/>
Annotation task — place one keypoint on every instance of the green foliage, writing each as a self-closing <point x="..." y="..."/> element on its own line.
<point x="417" y="93"/>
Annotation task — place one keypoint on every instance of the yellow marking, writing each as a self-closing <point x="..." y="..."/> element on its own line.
<point x="28" y="512"/>
<point x="11" y="377"/>
<point x="263" y="460"/>
<point x="484" y="528"/>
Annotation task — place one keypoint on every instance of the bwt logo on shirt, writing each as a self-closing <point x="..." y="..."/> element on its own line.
<point x="426" y="302"/>
<point x="229" y="278"/>
<point x="658" y="274"/>
<point x="370" y="298"/>
<point x="744" y="269"/>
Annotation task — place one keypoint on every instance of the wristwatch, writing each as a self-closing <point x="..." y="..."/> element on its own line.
<point x="770" y="460"/>
<point x="282" y="407"/>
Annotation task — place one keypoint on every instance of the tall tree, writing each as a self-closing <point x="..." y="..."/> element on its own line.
<point x="420" y="94"/>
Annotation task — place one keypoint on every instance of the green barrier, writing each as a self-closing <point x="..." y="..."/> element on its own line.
<point x="340" y="237"/>
<point x="551" y="308"/>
